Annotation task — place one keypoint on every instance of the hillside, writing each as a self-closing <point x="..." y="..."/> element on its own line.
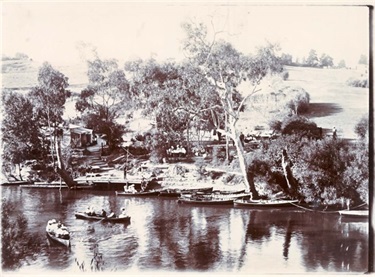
<point x="23" y="74"/>
<point x="333" y="103"/>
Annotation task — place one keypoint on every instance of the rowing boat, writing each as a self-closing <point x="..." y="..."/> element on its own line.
<point x="175" y="192"/>
<point x="264" y="203"/>
<point x="101" y="218"/>
<point x="199" y="199"/>
<point x="58" y="233"/>
<point x="138" y="193"/>
<point x="354" y="213"/>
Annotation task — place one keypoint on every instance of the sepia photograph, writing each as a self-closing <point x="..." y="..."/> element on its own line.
<point x="181" y="137"/>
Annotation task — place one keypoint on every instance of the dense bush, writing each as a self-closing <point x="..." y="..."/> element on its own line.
<point x="359" y="83"/>
<point x="301" y="126"/>
<point x="16" y="243"/>
<point x="285" y="75"/>
<point x="295" y="124"/>
<point x="326" y="170"/>
<point x="361" y="128"/>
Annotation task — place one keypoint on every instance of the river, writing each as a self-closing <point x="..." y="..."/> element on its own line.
<point x="166" y="236"/>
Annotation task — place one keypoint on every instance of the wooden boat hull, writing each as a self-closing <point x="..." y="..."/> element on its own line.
<point x="176" y="192"/>
<point x="104" y="219"/>
<point x="206" y="201"/>
<point x="131" y="194"/>
<point x="65" y="242"/>
<point x="354" y="213"/>
<point x="264" y="203"/>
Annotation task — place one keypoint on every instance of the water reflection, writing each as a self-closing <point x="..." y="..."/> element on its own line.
<point x="165" y="235"/>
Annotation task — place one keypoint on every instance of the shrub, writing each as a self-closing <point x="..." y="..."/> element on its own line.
<point x="361" y="128"/>
<point x="300" y="126"/>
<point x="285" y="75"/>
<point x="359" y="83"/>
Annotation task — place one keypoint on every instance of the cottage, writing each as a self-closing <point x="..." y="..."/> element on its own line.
<point x="80" y="136"/>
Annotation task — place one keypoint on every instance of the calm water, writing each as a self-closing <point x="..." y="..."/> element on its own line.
<point x="167" y="236"/>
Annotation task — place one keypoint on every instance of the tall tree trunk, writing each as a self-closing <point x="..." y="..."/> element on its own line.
<point x="61" y="168"/>
<point x="19" y="171"/>
<point x="226" y="140"/>
<point x="248" y="176"/>
<point x="290" y="180"/>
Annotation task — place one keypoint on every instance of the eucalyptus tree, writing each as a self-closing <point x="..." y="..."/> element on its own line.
<point x="234" y="76"/>
<point x="105" y="99"/>
<point x="49" y="98"/>
<point x="21" y="137"/>
<point x="174" y="95"/>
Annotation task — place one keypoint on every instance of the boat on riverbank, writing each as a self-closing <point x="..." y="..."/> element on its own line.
<point x="206" y="198"/>
<point x="176" y="192"/>
<point x="137" y="193"/>
<point x="58" y="233"/>
<point x="113" y="219"/>
<point x="354" y="213"/>
<point x="264" y="203"/>
<point x="205" y="201"/>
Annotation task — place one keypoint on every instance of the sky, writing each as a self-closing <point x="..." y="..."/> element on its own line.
<point x="55" y="31"/>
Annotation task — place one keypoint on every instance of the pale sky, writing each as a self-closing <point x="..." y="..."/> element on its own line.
<point x="123" y="30"/>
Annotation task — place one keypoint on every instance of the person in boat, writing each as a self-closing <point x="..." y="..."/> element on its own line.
<point x="143" y="184"/>
<point x="51" y="226"/>
<point x="88" y="211"/>
<point x="111" y="214"/>
<point x="123" y="213"/>
<point x="61" y="231"/>
<point x="104" y="213"/>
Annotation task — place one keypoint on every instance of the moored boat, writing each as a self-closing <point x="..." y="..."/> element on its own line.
<point x="114" y="219"/>
<point x="202" y="198"/>
<point x="137" y="193"/>
<point x="354" y="213"/>
<point x="205" y="201"/>
<point x="175" y="192"/>
<point x="57" y="232"/>
<point x="264" y="203"/>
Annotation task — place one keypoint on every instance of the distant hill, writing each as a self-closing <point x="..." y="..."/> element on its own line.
<point x="22" y="74"/>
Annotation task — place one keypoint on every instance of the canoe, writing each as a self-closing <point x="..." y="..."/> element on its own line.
<point x="354" y="213"/>
<point x="264" y="203"/>
<point x="104" y="219"/>
<point x="63" y="241"/>
<point x="138" y="193"/>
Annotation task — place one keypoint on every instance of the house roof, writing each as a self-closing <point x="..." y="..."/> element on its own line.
<point x="79" y="130"/>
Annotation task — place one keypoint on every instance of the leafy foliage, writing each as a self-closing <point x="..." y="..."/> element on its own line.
<point x="17" y="243"/>
<point x="21" y="136"/>
<point x="326" y="170"/>
<point x="50" y="95"/>
<point x="361" y="128"/>
<point x="359" y="83"/>
<point x="312" y="59"/>
<point x="105" y="99"/>
<point x="325" y="60"/>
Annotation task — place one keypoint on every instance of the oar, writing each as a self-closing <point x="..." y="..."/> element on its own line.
<point x="99" y="221"/>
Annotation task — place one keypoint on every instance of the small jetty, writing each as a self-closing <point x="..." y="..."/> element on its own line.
<point x="15" y="183"/>
<point x="45" y="185"/>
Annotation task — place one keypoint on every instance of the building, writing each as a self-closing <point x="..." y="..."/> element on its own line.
<point x="80" y="136"/>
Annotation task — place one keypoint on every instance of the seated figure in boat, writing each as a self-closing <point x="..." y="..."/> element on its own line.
<point x="111" y="214"/>
<point x="130" y="188"/>
<point x="62" y="231"/>
<point x="123" y="213"/>
<point x="51" y="226"/>
<point x="104" y="213"/>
